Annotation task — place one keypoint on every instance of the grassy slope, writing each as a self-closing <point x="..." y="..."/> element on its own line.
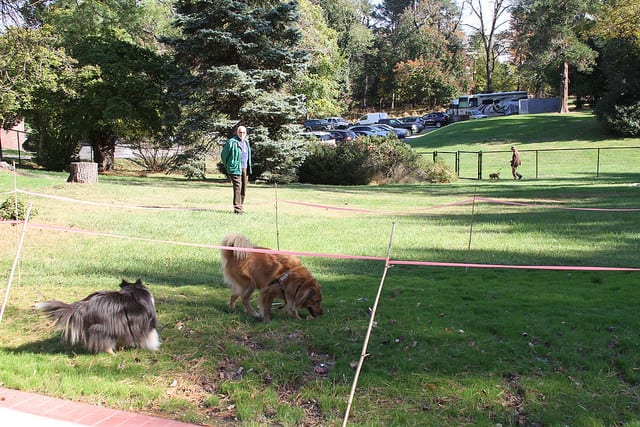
<point x="552" y="146"/>
<point x="452" y="346"/>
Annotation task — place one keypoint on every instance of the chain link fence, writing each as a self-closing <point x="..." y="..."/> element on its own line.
<point x="544" y="163"/>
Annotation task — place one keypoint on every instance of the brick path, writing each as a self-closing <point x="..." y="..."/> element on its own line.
<point x="18" y="408"/>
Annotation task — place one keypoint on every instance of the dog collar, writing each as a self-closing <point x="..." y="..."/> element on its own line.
<point x="280" y="280"/>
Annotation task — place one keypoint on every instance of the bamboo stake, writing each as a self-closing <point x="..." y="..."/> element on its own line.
<point x="15" y="262"/>
<point x="364" y="354"/>
<point x="277" y="225"/>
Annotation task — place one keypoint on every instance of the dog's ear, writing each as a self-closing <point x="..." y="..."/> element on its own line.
<point x="303" y="296"/>
<point x="139" y="282"/>
<point x="124" y="283"/>
<point x="308" y="291"/>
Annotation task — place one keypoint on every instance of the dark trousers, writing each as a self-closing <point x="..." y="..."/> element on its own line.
<point x="240" y="183"/>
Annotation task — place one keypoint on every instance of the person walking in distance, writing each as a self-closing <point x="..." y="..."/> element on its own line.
<point x="236" y="158"/>
<point x="515" y="162"/>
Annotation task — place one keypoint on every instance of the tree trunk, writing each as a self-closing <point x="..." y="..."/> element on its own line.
<point x="565" y="88"/>
<point x="104" y="147"/>
<point x="83" y="172"/>
<point x="104" y="155"/>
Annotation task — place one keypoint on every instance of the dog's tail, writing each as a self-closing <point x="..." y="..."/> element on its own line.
<point x="57" y="311"/>
<point x="62" y="314"/>
<point x="236" y="241"/>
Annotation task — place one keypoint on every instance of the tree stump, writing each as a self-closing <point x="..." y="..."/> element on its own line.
<point x="83" y="172"/>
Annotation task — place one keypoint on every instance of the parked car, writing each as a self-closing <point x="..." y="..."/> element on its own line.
<point x="341" y="135"/>
<point x="317" y="124"/>
<point x="476" y="114"/>
<point x="371" y="118"/>
<point x="396" y="123"/>
<point x="364" y="132"/>
<point x="437" y="119"/>
<point x="400" y="132"/>
<point x="319" y="136"/>
<point x="370" y="129"/>
<point x="338" y="122"/>
<point x="413" y="120"/>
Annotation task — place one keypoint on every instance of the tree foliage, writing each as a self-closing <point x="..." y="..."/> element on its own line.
<point x="550" y="36"/>
<point x="350" y="19"/>
<point x="423" y="82"/>
<point x="619" y="106"/>
<point x="109" y="86"/>
<point x="489" y="37"/>
<point x="320" y="82"/>
<point x="415" y="33"/>
<point x="240" y="62"/>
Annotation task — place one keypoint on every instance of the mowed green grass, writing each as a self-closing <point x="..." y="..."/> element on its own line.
<point x="552" y="146"/>
<point x="451" y="345"/>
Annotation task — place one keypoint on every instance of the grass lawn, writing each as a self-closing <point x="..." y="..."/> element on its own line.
<point x="552" y="146"/>
<point x="451" y="345"/>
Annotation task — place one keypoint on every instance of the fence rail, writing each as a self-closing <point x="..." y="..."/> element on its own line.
<point x="543" y="163"/>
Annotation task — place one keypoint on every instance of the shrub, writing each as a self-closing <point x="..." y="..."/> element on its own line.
<point x="394" y="161"/>
<point x="192" y="163"/>
<point x="619" y="107"/>
<point x="367" y="160"/>
<point x="345" y="164"/>
<point x="438" y="171"/>
<point x="624" y="120"/>
<point x="156" y="155"/>
<point x="8" y="210"/>
<point x="56" y="153"/>
<point x="278" y="162"/>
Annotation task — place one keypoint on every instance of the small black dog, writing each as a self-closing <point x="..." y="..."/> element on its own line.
<point x="107" y="319"/>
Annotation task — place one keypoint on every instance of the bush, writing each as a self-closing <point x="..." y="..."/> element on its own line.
<point x="623" y="120"/>
<point x="438" y="172"/>
<point x="394" y="161"/>
<point x="192" y="163"/>
<point x="277" y="162"/>
<point x="619" y="107"/>
<point x="345" y="164"/>
<point x="367" y="160"/>
<point x="8" y="210"/>
<point x="56" y="153"/>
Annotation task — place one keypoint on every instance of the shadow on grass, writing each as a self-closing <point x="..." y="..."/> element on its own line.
<point x="53" y="345"/>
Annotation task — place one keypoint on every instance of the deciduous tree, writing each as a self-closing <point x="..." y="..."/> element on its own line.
<point x="551" y="37"/>
<point x="319" y="83"/>
<point x="487" y="30"/>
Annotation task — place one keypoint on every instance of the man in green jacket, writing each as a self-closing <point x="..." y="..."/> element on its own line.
<point x="236" y="158"/>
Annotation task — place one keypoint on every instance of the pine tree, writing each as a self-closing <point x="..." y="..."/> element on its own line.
<point x="241" y="58"/>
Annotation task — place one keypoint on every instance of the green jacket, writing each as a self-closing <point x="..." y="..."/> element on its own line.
<point x="232" y="156"/>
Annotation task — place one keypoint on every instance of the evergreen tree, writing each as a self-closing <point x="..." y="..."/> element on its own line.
<point x="240" y="60"/>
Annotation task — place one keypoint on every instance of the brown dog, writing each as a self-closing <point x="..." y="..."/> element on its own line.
<point x="494" y="175"/>
<point x="274" y="275"/>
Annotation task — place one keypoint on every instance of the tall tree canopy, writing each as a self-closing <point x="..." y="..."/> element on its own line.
<point x="488" y="33"/>
<point x="321" y="82"/>
<point x="350" y="19"/>
<point x="550" y="34"/>
<point x="618" y="28"/>
<point x="111" y="87"/>
<point x="240" y="60"/>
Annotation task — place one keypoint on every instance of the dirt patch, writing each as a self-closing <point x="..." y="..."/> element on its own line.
<point x="201" y="386"/>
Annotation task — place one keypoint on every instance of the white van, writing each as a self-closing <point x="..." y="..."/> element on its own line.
<point x="371" y="118"/>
